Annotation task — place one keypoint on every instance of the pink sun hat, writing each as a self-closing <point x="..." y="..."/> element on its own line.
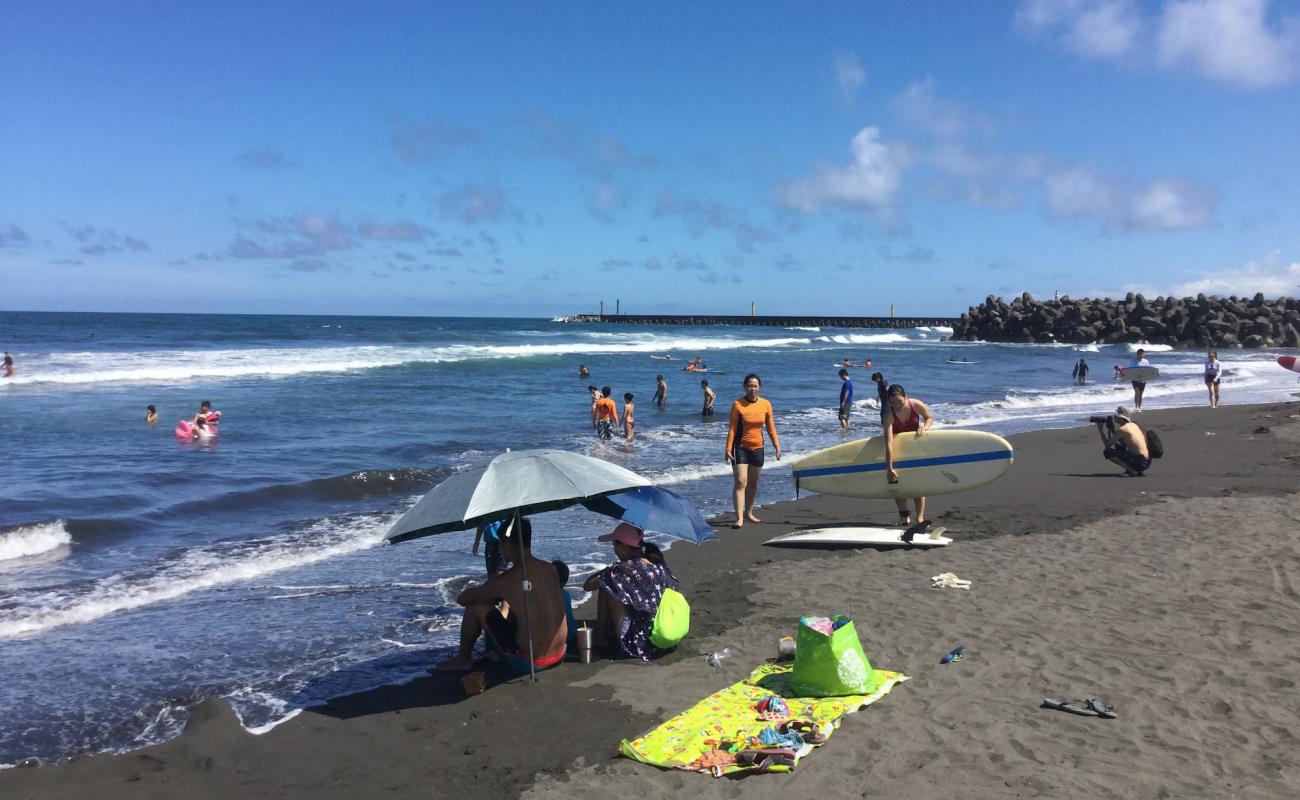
<point x="626" y="533"/>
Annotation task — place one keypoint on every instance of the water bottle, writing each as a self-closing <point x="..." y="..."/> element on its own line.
<point x="716" y="658"/>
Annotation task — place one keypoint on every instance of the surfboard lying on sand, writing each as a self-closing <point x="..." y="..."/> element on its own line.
<point x="939" y="462"/>
<point x="859" y="537"/>
<point x="1140" y="373"/>
<point x="1289" y="362"/>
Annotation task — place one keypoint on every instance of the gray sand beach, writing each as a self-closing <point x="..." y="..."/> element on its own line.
<point x="1175" y="597"/>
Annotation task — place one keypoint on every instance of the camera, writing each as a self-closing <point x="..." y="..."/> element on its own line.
<point x="1100" y="420"/>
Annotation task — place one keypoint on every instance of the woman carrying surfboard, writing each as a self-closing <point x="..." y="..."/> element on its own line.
<point x="904" y="415"/>
<point x="749" y="416"/>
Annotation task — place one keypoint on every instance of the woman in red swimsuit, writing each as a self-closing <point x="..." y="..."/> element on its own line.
<point x="904" y="415"/>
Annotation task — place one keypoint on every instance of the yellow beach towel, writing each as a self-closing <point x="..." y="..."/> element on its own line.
<point x="696" y="739"/>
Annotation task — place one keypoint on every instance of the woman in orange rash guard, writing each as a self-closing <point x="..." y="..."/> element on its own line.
<point x="749" y="416"/>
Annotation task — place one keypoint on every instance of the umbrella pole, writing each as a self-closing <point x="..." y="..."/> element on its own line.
<point x="528" y="587"/>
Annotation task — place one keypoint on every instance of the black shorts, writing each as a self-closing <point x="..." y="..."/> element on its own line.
<point x="1133" y="461"/>
<point x="502" y="632"/>
<point x="707" y="411"/>
<point x="744" y="455"/>
<point x="1142" y="385"/>
<point x="1210" y="380"/>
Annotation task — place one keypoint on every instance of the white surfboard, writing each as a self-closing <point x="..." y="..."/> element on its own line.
<point x="1140" y="373"/>
<point x="939" y="462"/>
<point x="859" y="537"/>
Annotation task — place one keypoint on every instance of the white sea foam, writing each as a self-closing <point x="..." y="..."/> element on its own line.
<point x="196" y="570"/>
<point x="32" y="540"/>
<point x="180" y="365"/>
<point x="864" y="338"/>
<point x="810" y="328"/>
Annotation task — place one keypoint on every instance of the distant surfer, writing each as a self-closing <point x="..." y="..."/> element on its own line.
<point x="1139" y="360"/>
<point x="750" y="415"/>
<point x="583" y="372"/>
<point x="151" y="415"/>
<point x="629" y="424"/>
<point x="1080" y="372"/>
<point x="904" y="415"/>
<point x="661" y="392"/>
<point x="606" y="414"/>
<point x="846" y="398"/>
<point x="709" y="397"/>
<point x="847" y="363"/>
<point x="9" y="365"/>
<point x="1213" y="369"/>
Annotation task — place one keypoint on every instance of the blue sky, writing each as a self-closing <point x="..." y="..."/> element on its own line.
<point x="533" y="159"/>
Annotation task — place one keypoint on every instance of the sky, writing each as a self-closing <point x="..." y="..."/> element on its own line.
<point x="535" y="159"/>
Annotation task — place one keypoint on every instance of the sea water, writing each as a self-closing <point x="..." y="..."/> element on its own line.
<point x="140" y="574"/>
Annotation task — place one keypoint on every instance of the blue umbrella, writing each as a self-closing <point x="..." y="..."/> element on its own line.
<point x="651" y="508"/>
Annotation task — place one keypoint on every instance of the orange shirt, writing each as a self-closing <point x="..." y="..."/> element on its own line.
<point x="605" y="408"/>
<point x="750" y="419"/>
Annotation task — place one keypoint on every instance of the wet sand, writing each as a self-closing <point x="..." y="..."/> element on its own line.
<point x="1176" y="597"/>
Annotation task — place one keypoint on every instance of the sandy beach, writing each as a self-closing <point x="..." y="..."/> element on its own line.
<point x="1176" y="597"/>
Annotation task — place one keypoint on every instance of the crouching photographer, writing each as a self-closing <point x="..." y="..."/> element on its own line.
<point x="1126" y="445"/>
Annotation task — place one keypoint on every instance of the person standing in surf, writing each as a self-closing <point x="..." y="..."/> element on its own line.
<point x="904" y="415"/>
<point x="629" y="424"/>
<point x="661" y="391"/>
<point x="1139" y="360"/>
<point x="9" y="365"/>
<point x="709" y="397"/>
<point x="1213" y="369"/>
<point x="1080" y="373"/>
<point x="882" y="395"/>
<point x="606" y="414"/>
<point x="846" y="399"/>
<point x="749" y="416"/>
<point x="595" y="398"/>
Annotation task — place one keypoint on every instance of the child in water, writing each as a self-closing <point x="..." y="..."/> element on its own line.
<point x="628" y="423"/>
<point x="151" y="415"/>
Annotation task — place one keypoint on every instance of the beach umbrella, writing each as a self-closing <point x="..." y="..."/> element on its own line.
<point x="523" y="481"/>
<point x="652" y="508"/>
<point x="511" y="485"/>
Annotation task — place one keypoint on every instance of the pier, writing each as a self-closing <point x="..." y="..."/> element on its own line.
<point x="769" y="321"/>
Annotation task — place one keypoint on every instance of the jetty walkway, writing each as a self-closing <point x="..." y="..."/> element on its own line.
<point x="769" y="321"/>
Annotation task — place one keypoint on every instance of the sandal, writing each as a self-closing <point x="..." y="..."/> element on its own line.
<point x="807" y="730"/>
<point x="774" y="759"/>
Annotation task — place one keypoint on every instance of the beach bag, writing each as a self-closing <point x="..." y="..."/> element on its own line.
<point x="828" y="659"/>
<point x="1154" y="446"/>
<point x="672" y="620"/>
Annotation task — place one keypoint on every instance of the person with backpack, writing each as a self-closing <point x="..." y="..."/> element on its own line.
<point x="1126" y="444"/>
<point x="630" y="593"/>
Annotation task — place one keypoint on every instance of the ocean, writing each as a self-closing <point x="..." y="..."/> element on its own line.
<point x="140" y="574"/>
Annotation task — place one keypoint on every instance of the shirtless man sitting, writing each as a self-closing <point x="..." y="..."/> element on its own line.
<point x="1126" y="444"/>
<point x="502" y="626"/>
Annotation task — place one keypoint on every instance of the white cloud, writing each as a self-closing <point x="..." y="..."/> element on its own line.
<point x="1171" y="204"/>
<point x="1270" y="275"/>
<point x="1162" y="204"/>
<point x="1225" y="40"/>
<point x="920" y="106"/>
<point x="1078" y="192"/>
<point x="1229" y="40"/>
<point x="849" y="74"/>
<point x="869" y="182"/>
<point x="1092" y="28"/>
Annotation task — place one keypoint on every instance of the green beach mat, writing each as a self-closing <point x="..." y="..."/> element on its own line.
<point x="690" y="740"/>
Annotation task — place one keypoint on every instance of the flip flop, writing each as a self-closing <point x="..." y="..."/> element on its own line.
<point x="1072" y="707"/>
<point x="806" y="729"/>
<point x="776" y="759"/>
<point x="1099" y="706"/>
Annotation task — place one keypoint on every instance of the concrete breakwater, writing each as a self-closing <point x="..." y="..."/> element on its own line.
<point x="1181" y="322"/>
<point x="770" y="321"/>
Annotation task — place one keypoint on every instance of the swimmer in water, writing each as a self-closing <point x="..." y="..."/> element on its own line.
<point x="709" y="397"/>
<point x="661" y="392"/>
<point x="629" y="424"/>
<point x="151" y="415"/>
<point x="583" y="371"/>
<point x="9" y="365"/>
